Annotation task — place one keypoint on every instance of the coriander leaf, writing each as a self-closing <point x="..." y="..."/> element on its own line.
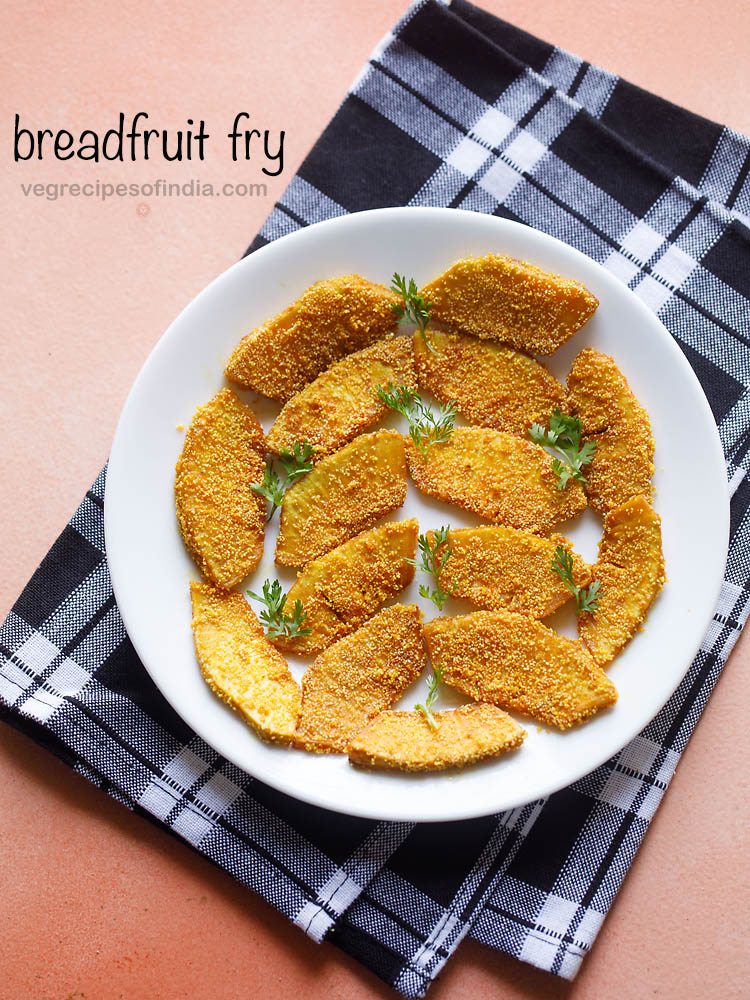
<point x="587" y="598"/>
<point x="413" y="307"/>
<point x="430" y="562"/>
<point x="297" y="462"/>
<point x="564" y="436"/>
<point x="425" y="427"/>
<point x="270" y="487"/>
<point x="274" y="619"/>
<point x="433" y="683"/>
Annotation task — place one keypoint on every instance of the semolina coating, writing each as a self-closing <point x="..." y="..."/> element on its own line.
<point x="491" y="385"/>
<point x="512" y="301"/>
<point x="518" y="664"/>
<point x="630" y="570"/>
<point x="623" y="463"/>
<point x="343" y="401"/>
<point x="221" y="520"/>
<point x="404" y="741"/>
<point x="501" y="477"/>
<point x="496" y="567"/>
<point x="342" y="589"/>
<point x="240" y="665"/>
<point x="344" y="494"/>
<point x="359" y="676"/>
<point x="329" y="320"/>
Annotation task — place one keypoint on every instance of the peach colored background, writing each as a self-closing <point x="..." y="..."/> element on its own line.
<point x="95" y="902"/>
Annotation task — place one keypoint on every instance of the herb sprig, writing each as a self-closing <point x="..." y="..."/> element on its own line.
<point x="430" y="562"/>
<point x="433" y="683"/>
<point x="274" y="618"/>
<point x="295" y="463"/>
<point x="425" y="427"/>
<point x="413" y="307"/>
<point x="587" y="598"/>
<point x="564" y="436"/>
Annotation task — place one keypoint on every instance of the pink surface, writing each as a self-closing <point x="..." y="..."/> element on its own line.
<point x="97" y="903"/>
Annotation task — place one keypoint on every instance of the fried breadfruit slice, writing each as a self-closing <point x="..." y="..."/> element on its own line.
<point x="344" y="494"/>
<point x="623" y="463"/>
<point x="342" y="589"/>
<point x="404" y="741"/>
<point x="359" y="676"/>
<point x="496" y="567"/>
<point x="490" y="384"/>
<point x="518" y="664"/>
<point x="498" y="476"/>
<point x="500" y="298"/>
<point x="630" y="570"/>
<point x="329" y="320"/>
<point x="222" y="521"/>
<point x="343" y="401"/>
<point x="241" y="665"/>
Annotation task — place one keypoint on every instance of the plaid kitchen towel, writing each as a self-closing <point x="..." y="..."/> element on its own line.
<point x="455" y="108"/>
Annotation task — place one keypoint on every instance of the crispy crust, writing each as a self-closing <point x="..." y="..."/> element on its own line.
<point x="498" y="476"/>
<point x="520" y="665"/>
<point x="497" y="568"/>
<point x="240" y="665"/>
<point x="329" y="320"/>
<point x="612" y="417"/>
<point x="359" y="676"/>
<point x="630" y="570"/>
<point x="491" y="385"/>
<point x="404" y="741"/>
<point x="344" y="494"/>
<point x="222" y="521"/>
<point x="500" y="298"/>
<point x="343" y="401"/>
<point x="345" y="587"/>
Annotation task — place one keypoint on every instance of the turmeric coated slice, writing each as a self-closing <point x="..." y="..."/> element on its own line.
<point x="342" y="589"/>
<point x="359" y="676"/>
<point x="630" y="570"/>
<point x="520" y="665"/>
<point x="498" y="476"/>
<point x="500" y="298"/>
<point x="344" y="494"/>
<point x="343" y="401"/>
<point x="222" y="521"/>
<point x="496" y="567"/>
<point x="404" y="741"/>
<point x="490" y="384"/>
<point x="329" y="320"/>
<point x="623" y="463"/>
<point x="240" y="665"/>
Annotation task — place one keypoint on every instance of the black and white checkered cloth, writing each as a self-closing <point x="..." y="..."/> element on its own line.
<point x="455" y="108"/>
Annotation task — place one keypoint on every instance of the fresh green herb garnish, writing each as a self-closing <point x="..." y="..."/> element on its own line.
<point x="564" y="436"/>
<point x="413" y="306"/>
<point x="296" y="463"/>
<point x="433" y="683"/>
<point x="275" y="620"/>
<point x="425" y="427"/>
<point x="587" y="598"/>
<point x="430" y="562"/>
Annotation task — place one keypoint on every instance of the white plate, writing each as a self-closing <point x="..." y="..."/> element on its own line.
<point x="151" y="569"/>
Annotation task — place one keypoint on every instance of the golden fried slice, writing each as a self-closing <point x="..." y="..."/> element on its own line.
<point x="240" y="665"/>
<point x="496" y="567"/>
<point x="491" y="385"/>
<point x="498" y="476"/>
<point x="404" y="740"/>
<point x="630" y="570"/>
<point x="611" y="416"/>
<point x="343" y="401"/>
<point x="345" y="587"/>
<point x="519" y="664"/>
<point x="510" y="300"/>
<point x="343" y="495"/>
<point x="329" y="320"/>
<point x="359" y="676"/>
<point x="222" y="521"/>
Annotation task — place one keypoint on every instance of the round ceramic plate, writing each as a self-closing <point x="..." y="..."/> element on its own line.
<point x="151" y="569"/>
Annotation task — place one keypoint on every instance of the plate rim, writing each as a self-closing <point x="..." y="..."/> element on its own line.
<point x="280" y="783"/>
